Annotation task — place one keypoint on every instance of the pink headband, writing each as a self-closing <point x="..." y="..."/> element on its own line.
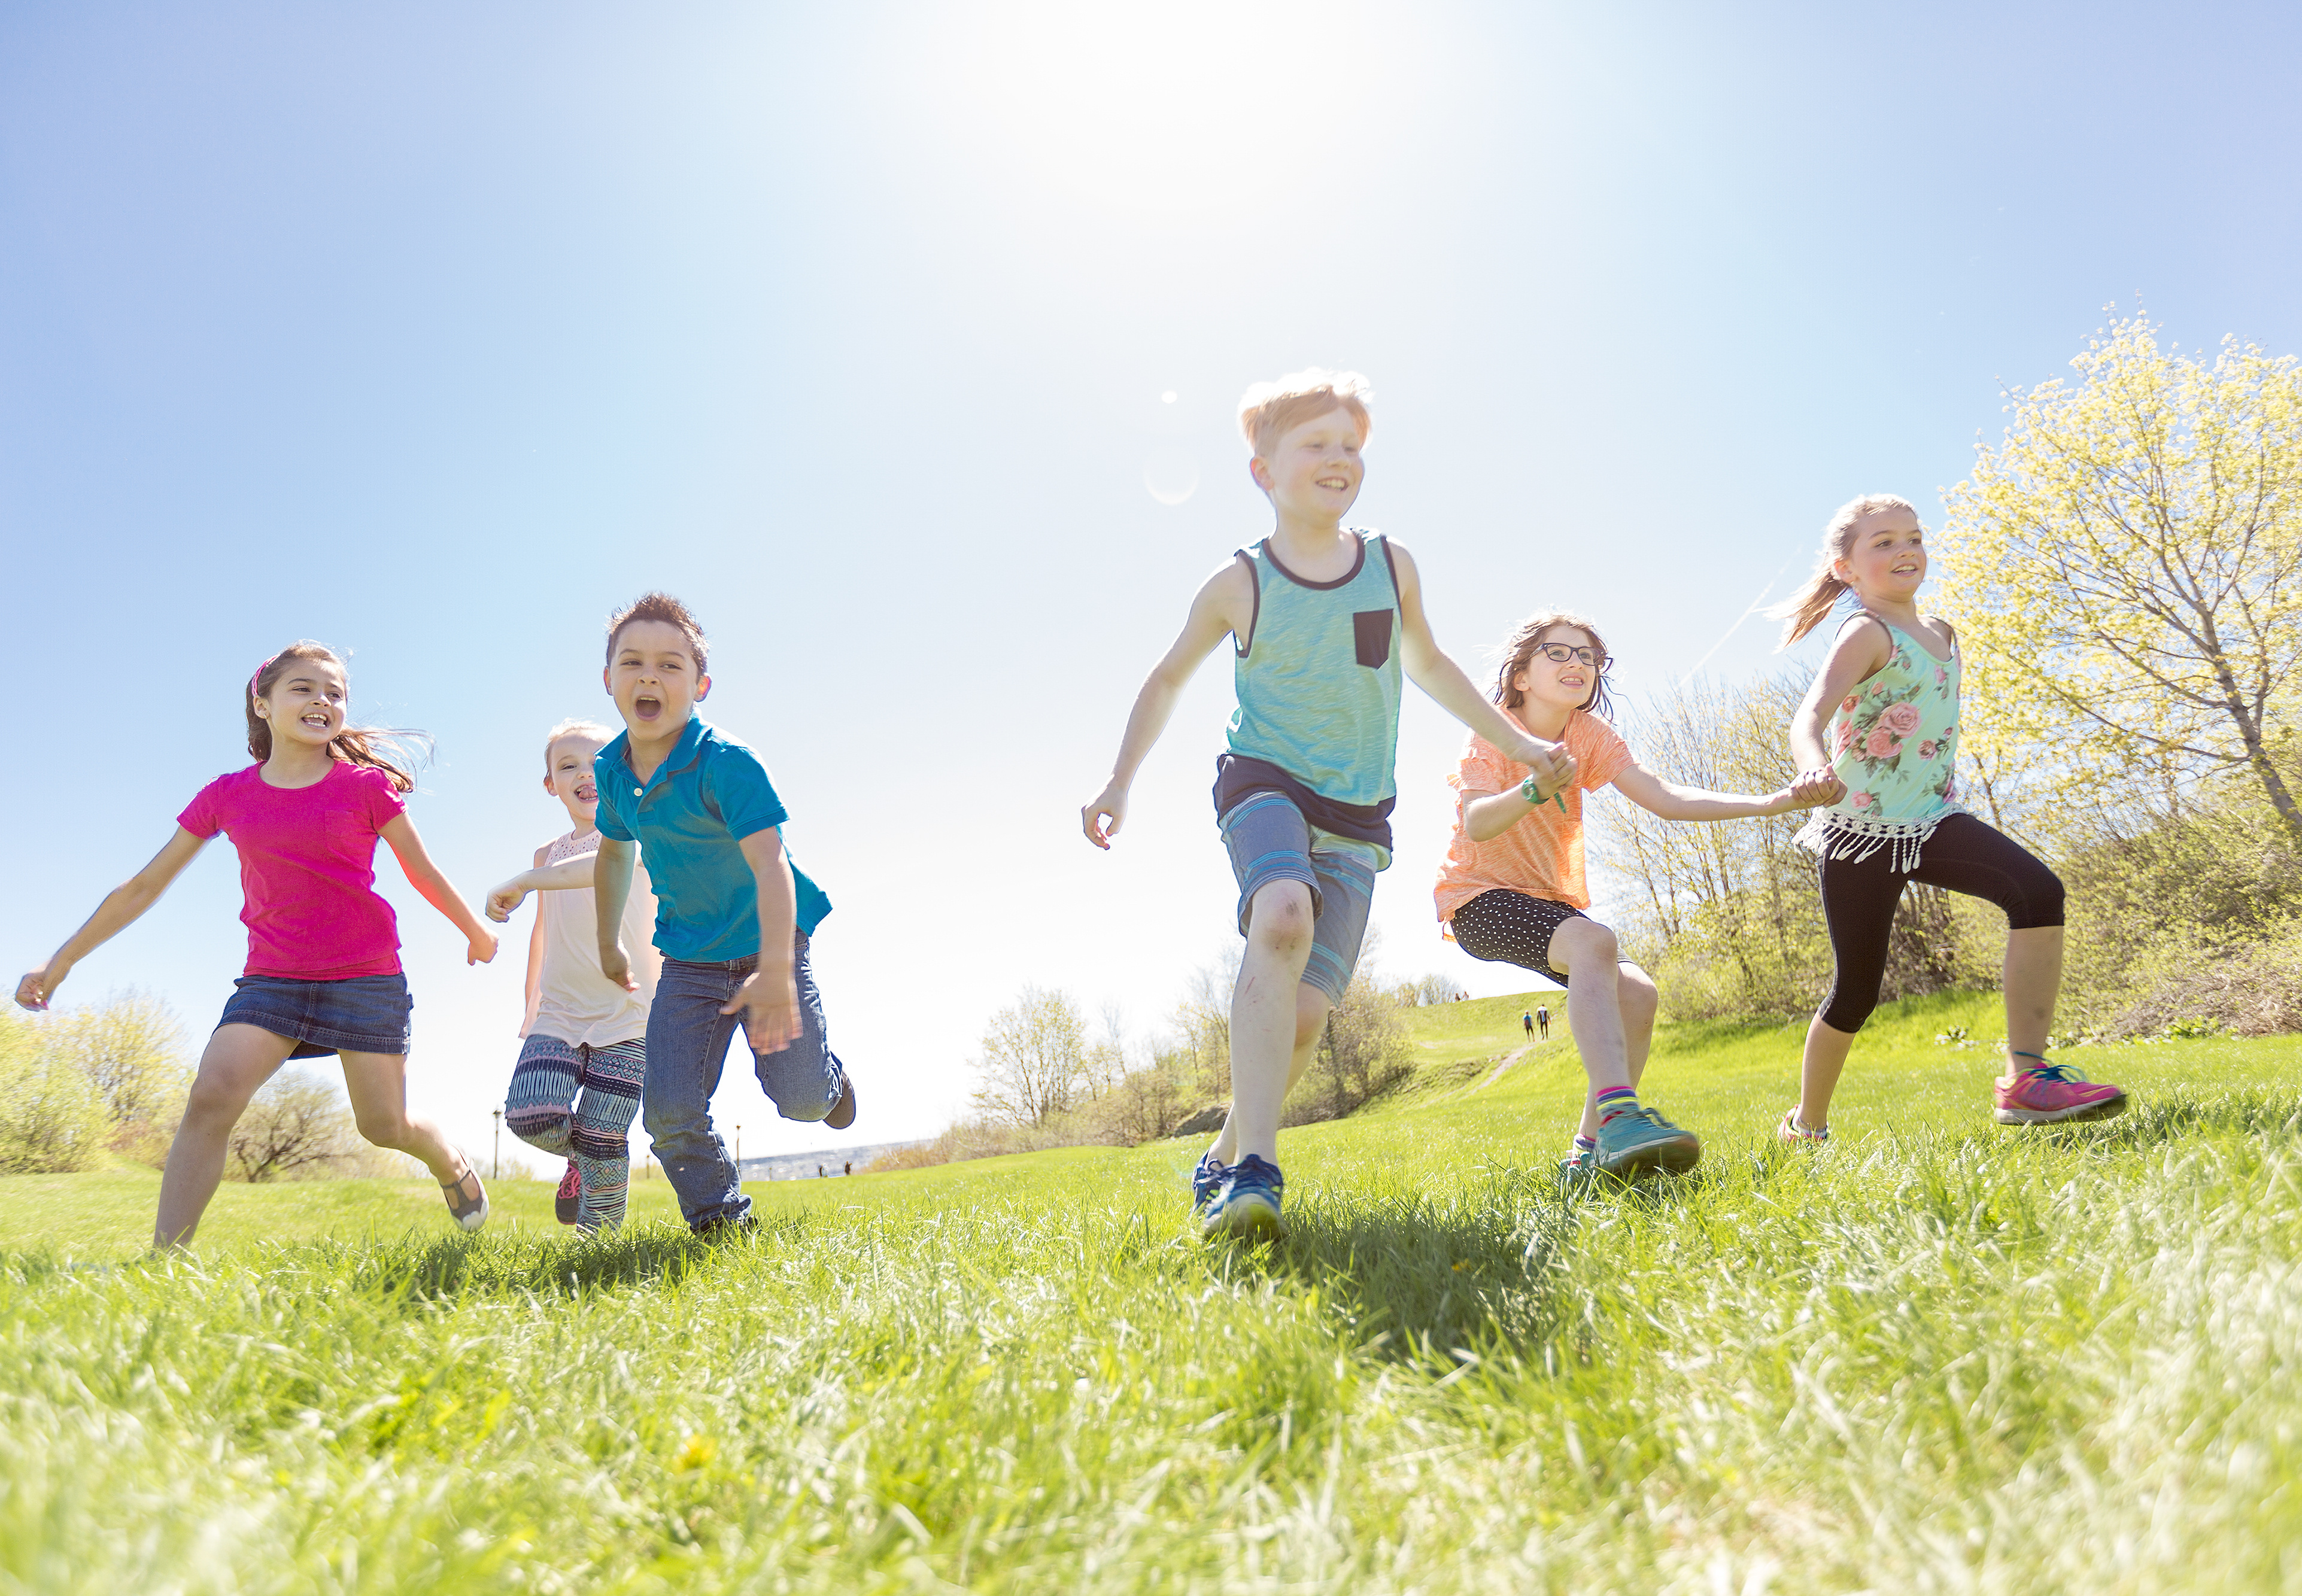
<point x="260" y="670"/>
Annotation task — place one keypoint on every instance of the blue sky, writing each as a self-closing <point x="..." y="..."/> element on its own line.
<point x="435" y="334"/>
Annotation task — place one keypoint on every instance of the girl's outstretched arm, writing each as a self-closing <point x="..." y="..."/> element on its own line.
<point x="425" y="876"/>
<point x="1428" y="667"/>
<point x="115" y="914"/>
<point x="1672" y="801"/>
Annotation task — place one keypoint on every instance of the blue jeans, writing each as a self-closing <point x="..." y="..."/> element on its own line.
<point x="687" y="1039"/>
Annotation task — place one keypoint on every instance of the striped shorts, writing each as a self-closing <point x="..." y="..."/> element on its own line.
<point x="1269" y="840"/>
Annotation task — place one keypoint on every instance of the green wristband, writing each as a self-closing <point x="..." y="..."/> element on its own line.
<point x="1533" y="794"/>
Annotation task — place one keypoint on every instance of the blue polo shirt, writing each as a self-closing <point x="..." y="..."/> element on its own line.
<point x="709" y="793"/>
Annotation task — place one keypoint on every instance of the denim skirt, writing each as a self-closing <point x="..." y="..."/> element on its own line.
<point x="368" y="1013"/>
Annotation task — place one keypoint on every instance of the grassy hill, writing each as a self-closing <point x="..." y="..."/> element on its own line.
<point x="1939" y="1355"/>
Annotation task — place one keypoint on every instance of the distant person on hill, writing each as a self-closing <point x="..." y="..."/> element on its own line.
<point x="1527" y="1022"/>
<point x="1542" y="1020"/>
<point x="1512" y="886"/>
<point x="1882" y="720"/>
<point x="324" y="973"/>
<point x="1324" y="619"/>
<point x="734" y="913"/>
<point x="576" y="1084"/>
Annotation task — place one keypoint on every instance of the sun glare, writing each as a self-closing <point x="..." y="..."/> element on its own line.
<point x="1174" y="113"/>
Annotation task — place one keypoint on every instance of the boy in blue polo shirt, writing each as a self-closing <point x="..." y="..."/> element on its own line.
<point x="733" y="915"/>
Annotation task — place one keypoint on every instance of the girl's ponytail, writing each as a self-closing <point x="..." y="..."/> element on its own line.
<point x="1811" y="605"/>
<point x="396" y="753"/>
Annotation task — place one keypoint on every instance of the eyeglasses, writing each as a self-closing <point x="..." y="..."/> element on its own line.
<point x="1559" y="653"/>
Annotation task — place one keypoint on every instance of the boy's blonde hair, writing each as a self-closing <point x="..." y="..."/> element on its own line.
<point x="1267" y="409"/>
<point x="573" y="728"/>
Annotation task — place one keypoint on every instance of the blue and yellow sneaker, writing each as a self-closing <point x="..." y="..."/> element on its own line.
<point x="1639" y="1141"/>
<point x="1207" y="1180"/>
<point x="1247" y="1204"/>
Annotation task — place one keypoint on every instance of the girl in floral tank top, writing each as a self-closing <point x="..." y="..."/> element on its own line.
<point x="1882" y="717"/>
<point x="1893" y="742"/>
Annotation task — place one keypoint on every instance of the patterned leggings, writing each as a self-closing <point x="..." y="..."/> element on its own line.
<point x="573" y="1100"/>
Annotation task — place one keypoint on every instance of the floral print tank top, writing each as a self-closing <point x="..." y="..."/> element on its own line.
<point x="1893" y="742"/>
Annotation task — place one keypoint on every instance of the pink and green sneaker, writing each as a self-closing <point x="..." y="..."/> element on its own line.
<point x="2054" y="1095"/>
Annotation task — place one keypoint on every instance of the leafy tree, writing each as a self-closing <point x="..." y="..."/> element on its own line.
<point x="1035" y="1059"/>
<point x="51" y="1115"/>
<point x="2125" y="571"/>
<point x="130" y="1048"/>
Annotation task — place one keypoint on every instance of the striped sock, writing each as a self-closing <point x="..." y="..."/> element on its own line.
<point x="1585" y="1144"/>
<point x="1615" y="1100"/>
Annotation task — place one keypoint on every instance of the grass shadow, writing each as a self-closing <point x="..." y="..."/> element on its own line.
<point x="446" y="1268"/>
<point x="1413" y="1277"/>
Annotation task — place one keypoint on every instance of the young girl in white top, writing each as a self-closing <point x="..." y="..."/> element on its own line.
<point x="577" y="1084"/>
<point x="1883" y="717"/>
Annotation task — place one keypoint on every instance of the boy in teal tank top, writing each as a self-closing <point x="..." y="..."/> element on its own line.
<point x="1324" y="621"/>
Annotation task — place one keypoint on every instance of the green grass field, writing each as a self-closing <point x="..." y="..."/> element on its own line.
<point x="1938" y="1356"/>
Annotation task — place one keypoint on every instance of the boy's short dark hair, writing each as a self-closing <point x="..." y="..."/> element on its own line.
<point x="664" y="607"/>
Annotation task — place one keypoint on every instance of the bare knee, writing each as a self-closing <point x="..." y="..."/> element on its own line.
<point x="1585" y="949"/>
<point x="214" y="1102"/>
<point x="1279" y="919"/>
<point x="384" y="1130"/>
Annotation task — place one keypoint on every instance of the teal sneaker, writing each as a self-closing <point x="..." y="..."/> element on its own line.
<point x="1207" y="1180"/>
<point x="1639" y="1141"/>
<point x="1247" y="1204"/>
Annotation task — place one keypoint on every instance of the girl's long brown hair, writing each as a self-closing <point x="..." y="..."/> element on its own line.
<point x="1528" y="636"/>
<point x="1811" y="605"/>
<point x="395" y="752"/>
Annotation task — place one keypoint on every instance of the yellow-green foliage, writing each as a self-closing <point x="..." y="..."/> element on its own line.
<point x="2125" y="571"/>
<point x="52" y="1114"/>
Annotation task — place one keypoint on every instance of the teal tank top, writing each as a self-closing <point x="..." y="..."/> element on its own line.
<point x="1894" y="741"/>
<point x="1318" y="676"/>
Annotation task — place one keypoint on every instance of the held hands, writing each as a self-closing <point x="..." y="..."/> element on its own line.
<point x="616" y="966"/>
<point x="769" y="1001"/>
<point x="1815" y="787"/>
<point x="1550" y="763"/>
<point x="1111" y="803"/>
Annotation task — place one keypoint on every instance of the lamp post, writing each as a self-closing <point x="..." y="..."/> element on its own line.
<point x="497" y="1113"/>
<point x="739" y="1155"/>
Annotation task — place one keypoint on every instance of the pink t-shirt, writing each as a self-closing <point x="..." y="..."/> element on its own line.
<point x="308" y="868"/>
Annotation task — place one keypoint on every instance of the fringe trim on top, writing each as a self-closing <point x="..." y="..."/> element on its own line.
<point x="1837" y="834"/>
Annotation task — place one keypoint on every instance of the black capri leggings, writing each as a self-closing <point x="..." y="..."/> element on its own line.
<point x="1963" y="855"/>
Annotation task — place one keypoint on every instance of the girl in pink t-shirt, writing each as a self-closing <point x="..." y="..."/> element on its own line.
<point x="1512" y="887"/>
<point x="323" y="971"/>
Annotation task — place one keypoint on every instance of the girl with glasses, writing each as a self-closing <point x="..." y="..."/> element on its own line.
<point x="1513" y="887"/>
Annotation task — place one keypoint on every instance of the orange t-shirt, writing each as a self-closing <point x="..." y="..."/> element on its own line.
<point x="1541" y="856"/>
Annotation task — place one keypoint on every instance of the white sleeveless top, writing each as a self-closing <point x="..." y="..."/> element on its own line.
<point x="574" y="1002"/>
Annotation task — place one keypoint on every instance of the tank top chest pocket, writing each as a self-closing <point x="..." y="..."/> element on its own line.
<point x="1371" y="637"/>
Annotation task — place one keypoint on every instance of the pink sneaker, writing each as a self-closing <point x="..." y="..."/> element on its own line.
<point x="2053" y="1094"/>
<point x="567" y="1201"/>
